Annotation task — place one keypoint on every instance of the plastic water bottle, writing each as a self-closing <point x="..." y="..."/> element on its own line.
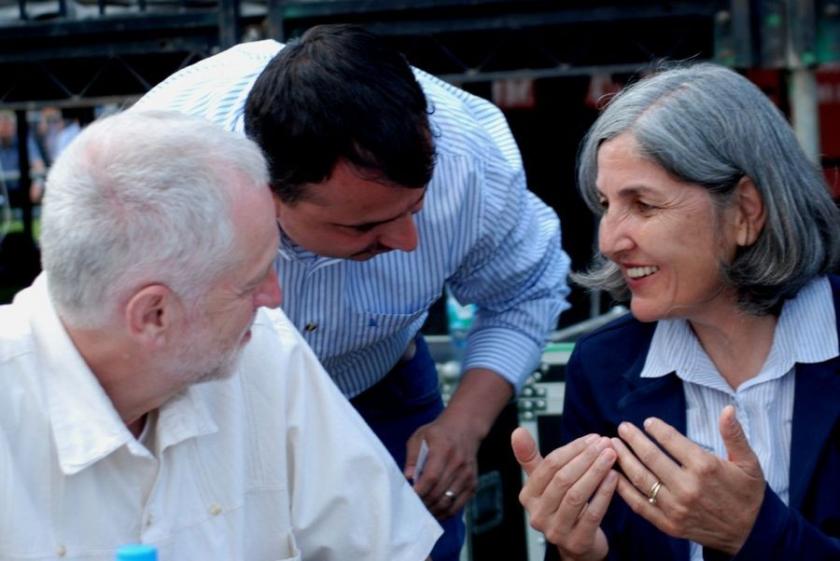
<point x="460" y="319"/>
<point x="137" y="552"/>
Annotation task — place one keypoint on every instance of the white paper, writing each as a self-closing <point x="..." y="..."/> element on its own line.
<point x="422" y="456"/>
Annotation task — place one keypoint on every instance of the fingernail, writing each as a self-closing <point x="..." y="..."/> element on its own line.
<point x="648" y="422"/>
<point x="733" y="421"/>
<point x="591" y="438"/>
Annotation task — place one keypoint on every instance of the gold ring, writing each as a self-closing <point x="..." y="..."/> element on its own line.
<point x="654" y="490"/>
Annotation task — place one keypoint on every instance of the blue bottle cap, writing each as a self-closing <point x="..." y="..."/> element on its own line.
<point x="137" y="552"/>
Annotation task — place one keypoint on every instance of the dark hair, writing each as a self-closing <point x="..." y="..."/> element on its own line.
<point x="340" y="92"/>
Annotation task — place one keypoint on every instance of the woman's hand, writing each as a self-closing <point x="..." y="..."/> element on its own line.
<point x="701" y="497"/>
<point x="568" y="492"/>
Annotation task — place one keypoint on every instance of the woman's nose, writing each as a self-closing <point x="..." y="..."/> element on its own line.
<point x="613" y="235"/>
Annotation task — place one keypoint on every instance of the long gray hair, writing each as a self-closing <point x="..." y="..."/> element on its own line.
<point x="710" y="126"/>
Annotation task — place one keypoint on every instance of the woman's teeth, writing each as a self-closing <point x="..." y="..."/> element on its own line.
<point x="639" y="272"/>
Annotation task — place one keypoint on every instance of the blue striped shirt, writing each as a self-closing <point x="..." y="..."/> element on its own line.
<point x="806" y="332"/>
<point x="481" y="232"/>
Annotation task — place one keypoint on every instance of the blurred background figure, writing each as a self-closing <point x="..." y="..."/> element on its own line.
<point x="19" y="255"/>
<point x="58" y="127"/>
<point x="10" y="164"/>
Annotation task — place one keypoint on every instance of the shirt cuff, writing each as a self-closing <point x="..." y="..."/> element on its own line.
<point x="511" y="354"/>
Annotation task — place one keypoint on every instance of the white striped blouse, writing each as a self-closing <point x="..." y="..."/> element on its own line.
<point x="480" y="231"/>
<point x="806" y="332"/>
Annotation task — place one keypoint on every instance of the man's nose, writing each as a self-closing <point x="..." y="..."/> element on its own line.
<point x="269" y="293"/>
<point x="400" y="234"/>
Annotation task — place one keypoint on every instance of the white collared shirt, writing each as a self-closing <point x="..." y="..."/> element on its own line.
<point x="272" y="464"/>
<point x="806" y="332"/>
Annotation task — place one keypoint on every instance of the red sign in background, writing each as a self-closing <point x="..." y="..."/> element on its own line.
<point x="828" y="98"/>
<point x="828" y="94"/>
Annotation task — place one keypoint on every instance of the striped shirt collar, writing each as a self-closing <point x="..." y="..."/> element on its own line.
<point x="805" y="333"/>
<point x="290" y="250"/>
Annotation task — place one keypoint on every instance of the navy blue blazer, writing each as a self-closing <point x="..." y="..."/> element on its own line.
<point x="603" y="388"/>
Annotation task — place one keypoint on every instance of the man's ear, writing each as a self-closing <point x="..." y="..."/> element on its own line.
<point x="750" y="212"/>
<point x="150" y="314"/>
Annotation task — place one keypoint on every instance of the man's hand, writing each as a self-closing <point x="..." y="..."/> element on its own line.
<point x="703" y="498"/>
<point x="450" y="476"/>
<point x="568" y="492"/>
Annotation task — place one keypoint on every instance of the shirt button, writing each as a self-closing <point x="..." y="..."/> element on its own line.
<point x="215" y="509"/>
<point x="149" y="520"/>
<point x="310" y="327"/>
<point x="61" y="551"/>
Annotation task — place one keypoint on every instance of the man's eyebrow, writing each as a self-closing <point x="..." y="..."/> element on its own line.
<point x="378" y="222"/>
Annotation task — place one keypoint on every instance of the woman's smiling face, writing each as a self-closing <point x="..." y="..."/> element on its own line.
<point x="666" y="235"/>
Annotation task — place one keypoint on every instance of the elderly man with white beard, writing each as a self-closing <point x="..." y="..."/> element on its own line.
<point x="141" y="399"/>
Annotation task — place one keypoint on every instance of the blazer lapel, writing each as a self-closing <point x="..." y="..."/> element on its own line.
<point x="661" y="397"/>
<point x="816" y="409"/>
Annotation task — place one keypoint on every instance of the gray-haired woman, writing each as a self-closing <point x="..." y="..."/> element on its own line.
<point x="714" y="411"/>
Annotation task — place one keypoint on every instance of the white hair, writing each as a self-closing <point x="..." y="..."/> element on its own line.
<point x="137" y="198"/>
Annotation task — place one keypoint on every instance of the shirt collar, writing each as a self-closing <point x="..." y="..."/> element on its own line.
<point x="808" y="324"/>
<point x="805" y="333"/>
<point x="86" y="426"/>
<point x="290" y="251"/>
<point x="186" y="416"/>
<point x="239" y="121"/>
<point x="673" y="348"/>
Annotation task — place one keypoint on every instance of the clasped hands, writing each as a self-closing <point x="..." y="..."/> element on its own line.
<point x="701" y="497"/>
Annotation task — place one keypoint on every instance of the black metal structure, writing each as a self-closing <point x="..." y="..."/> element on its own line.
<point x="481" y="40"/>
<point x="71" y="53"/>
<point x="88" y="59"/>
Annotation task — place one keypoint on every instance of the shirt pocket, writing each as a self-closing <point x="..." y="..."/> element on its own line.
<point x="372" y="325"/>
<point x="393" y="287"/>
<point x="388" y="301"/>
